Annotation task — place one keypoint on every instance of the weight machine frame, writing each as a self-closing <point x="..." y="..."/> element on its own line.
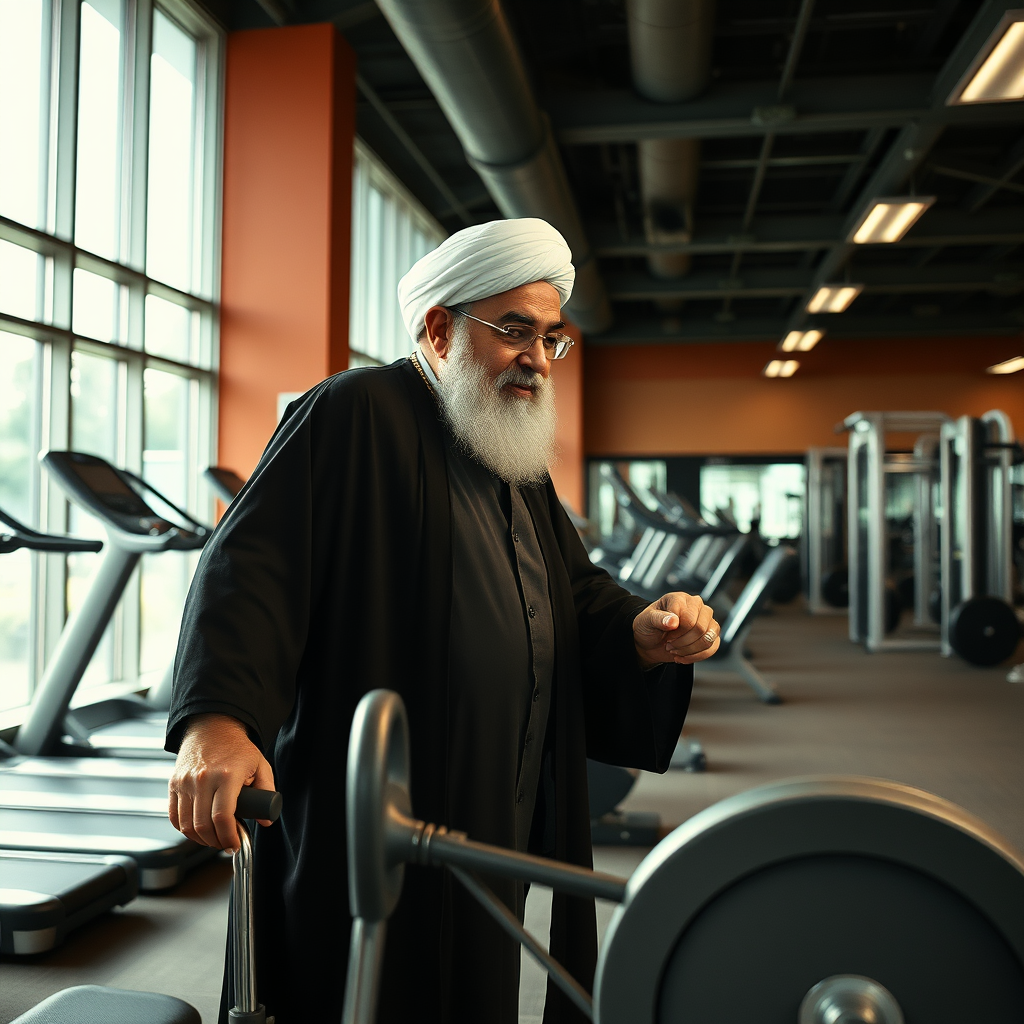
<point x="976" y="456"/>
<point x="820" y="506"/>
<point x="868" y="551"/>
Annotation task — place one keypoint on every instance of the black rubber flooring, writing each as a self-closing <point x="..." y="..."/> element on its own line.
<point x="914" y="717"/>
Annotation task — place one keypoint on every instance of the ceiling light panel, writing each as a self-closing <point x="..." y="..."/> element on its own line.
<point x="834" y="298"/>
<point x="800" y="341"/>
<point x="889" y="219"/>
<point x="781" y="368"/>
<point x="1008" y="365"/>
<point x="997" y="74"/>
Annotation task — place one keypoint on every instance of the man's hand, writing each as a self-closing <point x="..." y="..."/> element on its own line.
<point x="678" y="628"/>
<point x="215" y="761"/>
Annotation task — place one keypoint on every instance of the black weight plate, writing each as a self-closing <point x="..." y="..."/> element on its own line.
<point x="835" y="588"/>
<point x="755" y="950"/>
<point x="984" y="630"/>
<point x="893" y="608"/>
<point x="774" y="889"/>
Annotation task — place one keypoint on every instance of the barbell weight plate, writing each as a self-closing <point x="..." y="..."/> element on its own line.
<point x="744" y="908"/>
<point x="984" y="630"/>
<point x="835" y="588"/>
<point x="791" y="925"/>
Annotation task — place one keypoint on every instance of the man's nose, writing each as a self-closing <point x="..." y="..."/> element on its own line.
<point x="536" y="358"/>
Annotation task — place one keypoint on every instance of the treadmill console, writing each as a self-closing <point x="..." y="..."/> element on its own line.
<point x="102" y="491"/>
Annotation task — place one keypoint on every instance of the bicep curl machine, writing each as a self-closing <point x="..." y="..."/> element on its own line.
<point x="809" y="901"/>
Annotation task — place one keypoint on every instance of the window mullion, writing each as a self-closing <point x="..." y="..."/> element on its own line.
<point x="136" y="147"/>
<point x="134" y="442"/>
<point x="60" y="218"/>
<point x="53" y="511"/>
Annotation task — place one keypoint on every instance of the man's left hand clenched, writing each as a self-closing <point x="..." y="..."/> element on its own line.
<point x="677" y="629"/>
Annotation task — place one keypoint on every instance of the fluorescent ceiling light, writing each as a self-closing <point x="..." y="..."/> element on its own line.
<point x="800" y="341"/>
<point x="889" y="219"/>
<point x="1008" y="365"/>
<point x="996" y="75"/>
<point x="781" y="368"/>
<point x="834" y="298"/>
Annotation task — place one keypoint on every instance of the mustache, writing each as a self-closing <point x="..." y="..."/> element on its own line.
<point x="524" y="376"/>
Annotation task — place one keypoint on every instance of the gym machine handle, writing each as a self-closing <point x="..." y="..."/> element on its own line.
<point x="262" y="804"/>
<point x="383" y="837"/>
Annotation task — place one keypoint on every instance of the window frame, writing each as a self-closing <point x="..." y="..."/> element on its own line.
<point x="368" y="307"/>
<point x="60" y="256"/>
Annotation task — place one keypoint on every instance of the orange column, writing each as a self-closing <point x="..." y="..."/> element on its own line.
<point x="567" y="474"/>
<point x="289" y="126"/>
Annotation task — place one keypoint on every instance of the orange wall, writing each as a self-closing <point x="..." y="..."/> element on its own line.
<point x="289" y="126"/>
<point x="567" y="473"/>
<point x="712" y="399"/>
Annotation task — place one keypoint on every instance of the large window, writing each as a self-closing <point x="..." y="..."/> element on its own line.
<point x="109" y="142"/>
<point x="390" y="232"/>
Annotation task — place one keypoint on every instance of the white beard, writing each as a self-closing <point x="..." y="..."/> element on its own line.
<point x="513" y="437"/>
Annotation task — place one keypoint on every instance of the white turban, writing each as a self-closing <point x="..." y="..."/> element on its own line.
<point x="485" y="260"/>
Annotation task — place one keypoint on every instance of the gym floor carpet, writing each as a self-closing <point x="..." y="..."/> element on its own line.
<point x="917" y="718"/>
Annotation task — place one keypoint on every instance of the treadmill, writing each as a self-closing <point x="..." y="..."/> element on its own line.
<point x="138" y="520"/>
<point x="226" y="483"/>
<point x="51" y="800"/>
<point x="45" y="895"/>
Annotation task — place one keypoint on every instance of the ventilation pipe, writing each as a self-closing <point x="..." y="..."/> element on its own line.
<point x="466" y="53"/>
<point x="670" y="51"/>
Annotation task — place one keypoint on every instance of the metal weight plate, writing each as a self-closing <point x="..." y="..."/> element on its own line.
<point x="742" y="911"/>
<point x="984" y="630"/>
<point x="835" y="588"/>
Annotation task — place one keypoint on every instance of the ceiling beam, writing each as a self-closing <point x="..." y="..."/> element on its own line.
<point x="912" y="145"/>
<point x="679" y="330"/>
<point x="798" y="234"/>
<point x="731" y="109"/>
<point x="787" y="282"/>
<point x="981" y="179"/>
<point x="1009" y="167"/>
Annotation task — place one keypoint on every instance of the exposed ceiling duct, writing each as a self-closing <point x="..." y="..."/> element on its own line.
<point x="467" y="55"/>
<point x="670" y="51"/>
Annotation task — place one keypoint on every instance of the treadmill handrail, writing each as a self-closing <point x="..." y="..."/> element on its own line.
<point x="755" y="593"/>
<point x="15" y="535"/>
<point x="628" y="498"/>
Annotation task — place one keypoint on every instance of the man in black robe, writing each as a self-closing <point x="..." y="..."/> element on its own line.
<point x="401" y="531"/>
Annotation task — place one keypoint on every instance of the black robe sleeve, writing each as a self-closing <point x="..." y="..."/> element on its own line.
<point x="247" y="612"/>
<point x="633" y="717"/>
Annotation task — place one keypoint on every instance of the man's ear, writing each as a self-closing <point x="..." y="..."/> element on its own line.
<point x="438" y="321"/>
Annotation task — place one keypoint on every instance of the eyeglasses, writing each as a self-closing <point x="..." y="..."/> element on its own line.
<point x="522" y="338"/>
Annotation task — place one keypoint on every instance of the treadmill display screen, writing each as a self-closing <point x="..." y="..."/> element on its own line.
<point x="111" y="490"/>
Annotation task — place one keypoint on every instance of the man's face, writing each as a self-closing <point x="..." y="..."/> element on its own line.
<point x="496" y="396"/>
<point x="535" y="307"/>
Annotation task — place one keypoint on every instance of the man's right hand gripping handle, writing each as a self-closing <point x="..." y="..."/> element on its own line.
<point x="215" y="761"/>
